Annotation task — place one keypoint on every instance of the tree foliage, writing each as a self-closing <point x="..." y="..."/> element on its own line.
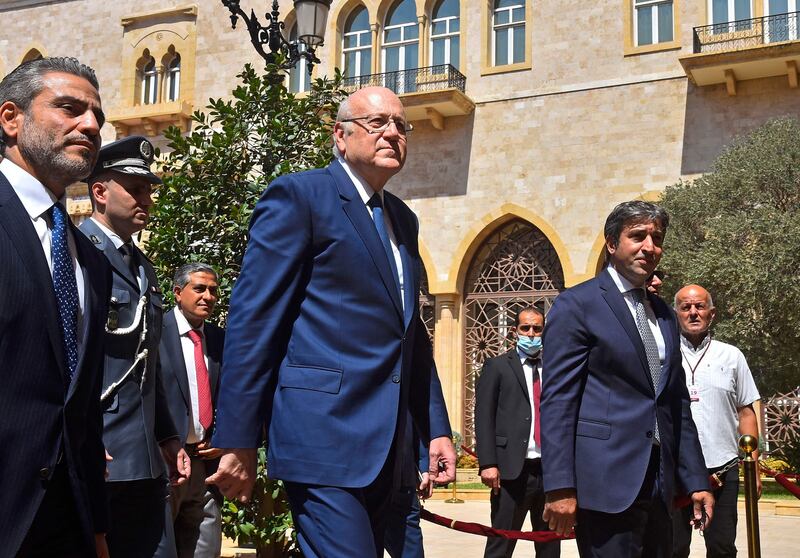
<point x="736" y="232"/>
<point x="214" y="176"/>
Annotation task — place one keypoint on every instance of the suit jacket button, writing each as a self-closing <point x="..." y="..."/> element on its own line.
<point x="649" y="434"/>
<point x="396" y="379"/>
<point x="44" y="473"/>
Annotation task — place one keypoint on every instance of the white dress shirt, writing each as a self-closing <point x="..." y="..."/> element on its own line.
<point x="625" y="287"/>
<point x="534" y="450"/>
<point x="37" y="201"/>
<point x="719" y="375"/>
<point x="196" y="433"/>
<point x="366" y="192"/>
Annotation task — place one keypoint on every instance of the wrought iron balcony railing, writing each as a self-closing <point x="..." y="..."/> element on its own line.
<point x="415" y="80"/>
<point x="746" y="33"/>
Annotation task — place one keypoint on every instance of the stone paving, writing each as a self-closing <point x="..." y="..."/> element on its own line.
<point x="780" y="535"/>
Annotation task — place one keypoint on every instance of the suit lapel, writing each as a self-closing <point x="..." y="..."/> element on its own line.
<point x="104" y="244"/>
<point x="17" y="224"/>
<point x="665" y="325"/>
<point x="519" y="373"/>
<point x="174" y="355"/>
<point x="619" y="307"/>
<point x="213" y="352"/>
<point x="357" y="212"/>
<point x="402" y="234"/>
<point x="90" y="302"/>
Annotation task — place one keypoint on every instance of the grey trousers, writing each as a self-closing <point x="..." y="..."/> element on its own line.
<point x="196" y="516"/>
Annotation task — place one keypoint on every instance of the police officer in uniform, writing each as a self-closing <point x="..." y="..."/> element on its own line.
<point x="139" y="434"/>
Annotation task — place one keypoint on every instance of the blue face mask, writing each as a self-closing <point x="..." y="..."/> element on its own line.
<point x="529" y="345"/>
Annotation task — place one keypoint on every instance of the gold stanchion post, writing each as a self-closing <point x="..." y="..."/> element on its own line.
<point x="748" y="444"/>
<point x="454" y="499"/>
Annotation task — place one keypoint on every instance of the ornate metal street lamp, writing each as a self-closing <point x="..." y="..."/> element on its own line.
<point x="312" y="15"/>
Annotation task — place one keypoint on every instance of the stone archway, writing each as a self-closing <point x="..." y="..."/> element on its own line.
<point x="516" y="266"/>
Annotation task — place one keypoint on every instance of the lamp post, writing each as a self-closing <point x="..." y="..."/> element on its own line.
<point x="312" y="15"/>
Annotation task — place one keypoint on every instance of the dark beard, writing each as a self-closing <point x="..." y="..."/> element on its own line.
<point x="38" y="148"/>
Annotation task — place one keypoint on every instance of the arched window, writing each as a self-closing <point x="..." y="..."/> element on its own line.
<point x="445" y="26"/>
<point x="173" y="67"/>
<point x="401" y="42"/>
<point x="515" y="267"/>
<point x="148" y="77"/>
<point x="32" y="54"/>
<point x="508" y="32"/>
<point x="298" y="76"/>
<point x="357" y="44"/>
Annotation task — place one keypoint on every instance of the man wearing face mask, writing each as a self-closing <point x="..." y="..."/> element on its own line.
<point x="507" y="434"/>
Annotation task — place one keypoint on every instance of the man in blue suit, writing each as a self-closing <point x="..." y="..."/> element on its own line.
<point x="324" y="342"/>
<point x="53" y="306"/>
<point x="618" y="439"/>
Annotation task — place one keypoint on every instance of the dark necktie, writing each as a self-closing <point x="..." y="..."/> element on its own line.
<point x="376" y="203"/>
<point x="206" y="410"/>
<point x="537" y="396"/>
<point x="649" y="341"/>
<point x="128" y="257"/>
<point x="65" y="286"/>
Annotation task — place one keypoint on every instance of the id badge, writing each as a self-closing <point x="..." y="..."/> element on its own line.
<point x="694" y="394"/>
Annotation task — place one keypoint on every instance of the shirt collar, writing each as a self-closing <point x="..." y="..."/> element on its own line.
<point x="365" y="191"/>
<point x="184" y="326"/>
<point x="35" y="197"/>
<point x="685" y="343"/>
<point x="621" y="282"/>
<point x="115" y="238"/>
<point x="524" y="356"/>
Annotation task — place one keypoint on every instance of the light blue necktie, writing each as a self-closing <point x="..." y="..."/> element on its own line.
<point x="65" y="286"/>
<point x="376" y="203"/>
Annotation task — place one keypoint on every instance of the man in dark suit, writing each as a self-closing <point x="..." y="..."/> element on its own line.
<point x="325" y="343"/>
<point x="617" y="434"/>
<point x="190" y="357"/>
<point x="54" y="289"/>
<point x="138" y="431"/>
<point x="508" y="436"/>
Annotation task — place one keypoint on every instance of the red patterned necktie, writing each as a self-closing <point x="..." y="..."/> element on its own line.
<point x="537" y="396"/>
<point x="203" y="385"/>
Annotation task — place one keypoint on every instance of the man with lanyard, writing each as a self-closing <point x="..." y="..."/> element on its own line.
<point x="722" y="392"/>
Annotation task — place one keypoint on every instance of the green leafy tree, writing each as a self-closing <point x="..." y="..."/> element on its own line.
<point x="213" y="178"/>
<point x="736" y="231"/>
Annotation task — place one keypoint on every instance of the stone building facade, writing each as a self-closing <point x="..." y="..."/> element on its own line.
<point x="549" y="114"/>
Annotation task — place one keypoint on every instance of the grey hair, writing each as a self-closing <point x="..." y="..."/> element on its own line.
<point x="343" y="113"/>
<point x="633" y="212"/>
<point x="26" y="81"/>
<point x="181" y="278"/>
<point x="710" y="300"/>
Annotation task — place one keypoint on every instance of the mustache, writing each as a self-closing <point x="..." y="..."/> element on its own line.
<point x="80" y="137"/>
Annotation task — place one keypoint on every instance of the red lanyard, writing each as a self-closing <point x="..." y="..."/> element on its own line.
<point x="696" y="364"/>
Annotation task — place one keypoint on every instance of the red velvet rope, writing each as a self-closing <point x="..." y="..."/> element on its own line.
<point x="783" y="480"/>
<point x="483" y="530"/>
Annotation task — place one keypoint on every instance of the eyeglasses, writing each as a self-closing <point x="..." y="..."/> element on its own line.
<point x="529" y="327"/>
<point x="378" y="124"/>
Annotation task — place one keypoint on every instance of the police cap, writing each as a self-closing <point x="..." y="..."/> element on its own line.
<point x="131" y="155"/>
